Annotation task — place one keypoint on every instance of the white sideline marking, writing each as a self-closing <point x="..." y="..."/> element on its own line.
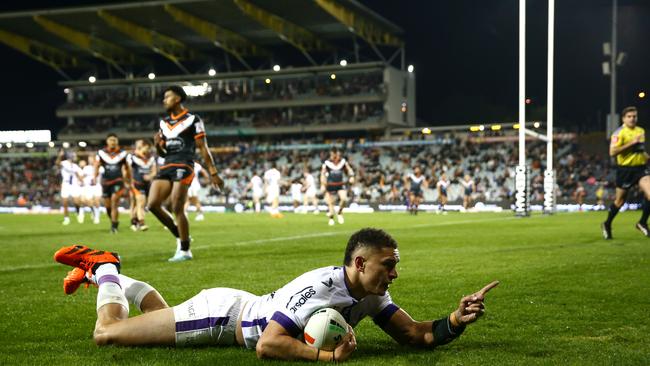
<point x="277" y="239"/>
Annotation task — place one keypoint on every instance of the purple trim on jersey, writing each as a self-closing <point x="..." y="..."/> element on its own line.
<point x="286" y="323"/>
<point x="384" y="316"/>
<point x="261" y="322"/>
<point x="204" y="323"/>
<point x="109" y="278"/>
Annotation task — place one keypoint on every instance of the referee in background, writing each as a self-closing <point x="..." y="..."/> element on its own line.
<point x="628" y="146"/>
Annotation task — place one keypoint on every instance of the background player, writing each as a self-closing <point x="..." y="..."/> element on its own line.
<point x="442" y="185"/>
<point x="272" y="181"/>
<point x="414" y="182"/>
<point x="143" y="168"/>
<point x="193" y="192"/>
<point x="88" y="191"/>
<point x="271" y="323"/>
<point x="331" y="177"/>
<point x="115" y="178"/>
<point x="469" y="187"/>
<point x="256" y="184"/>
<point x="296" y="195"/>
<point x="628" y="146"/>
<point x="310" y="190"/>
<point x="180" y="134"/>
<point x="70" y="178"/>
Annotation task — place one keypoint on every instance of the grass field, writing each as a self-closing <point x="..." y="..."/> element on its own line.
<point x="566" y="296"/>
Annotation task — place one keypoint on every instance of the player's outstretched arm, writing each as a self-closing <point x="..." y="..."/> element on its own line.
<point x="277" y="343"/>
<point x="407" y="331"/>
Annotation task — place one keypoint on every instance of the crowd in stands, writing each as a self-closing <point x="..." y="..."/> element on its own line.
<point x="380" y="171"/>
<point x="227" y="91"/>
<point x="250" y="118"/>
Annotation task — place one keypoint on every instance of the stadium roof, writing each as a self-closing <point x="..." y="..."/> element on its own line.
<point x="191" y="30"/>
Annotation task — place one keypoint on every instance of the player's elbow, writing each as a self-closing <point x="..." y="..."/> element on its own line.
<point x="102" y="337"/>
<point x="262" y="349"/>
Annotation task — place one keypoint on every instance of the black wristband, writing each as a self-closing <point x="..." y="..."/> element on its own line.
<point x="444" y="332"/>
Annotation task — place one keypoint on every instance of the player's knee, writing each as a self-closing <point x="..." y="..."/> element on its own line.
<point x="178" y="208"/>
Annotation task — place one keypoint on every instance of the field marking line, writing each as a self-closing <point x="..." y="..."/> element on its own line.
<point x="277" y="239"/>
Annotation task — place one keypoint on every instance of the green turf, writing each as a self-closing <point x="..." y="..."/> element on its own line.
<point x="566" y="296"/>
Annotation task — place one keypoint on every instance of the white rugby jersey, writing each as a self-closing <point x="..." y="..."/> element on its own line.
<point x="69" y="172"/>
<point x="296" y="191"/>
<point x="443" y="184"/>
<point x="272" y="177"/>
<point x="257" y="184"/>
<point x="88" y="172"/>
<point x="293" y="304"/>
<point x="310" y="182"/>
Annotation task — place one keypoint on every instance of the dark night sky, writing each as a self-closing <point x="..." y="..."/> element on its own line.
<point x="465" y="55"/>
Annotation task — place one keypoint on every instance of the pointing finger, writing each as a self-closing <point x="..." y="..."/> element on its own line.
<point x="487" y="288"/>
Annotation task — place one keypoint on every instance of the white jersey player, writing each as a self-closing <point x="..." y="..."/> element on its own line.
<point x="193" y="191"/>
<point x="296" y="194"/>
<point x="90" y="195"/>
<point x="309" y="188"/>
<point x="272" y="181"/>
<point x="256" y="185"/>
<point x="442" y="186"/>
<point x="70" y="183"/>
<point x="273" y="323"/>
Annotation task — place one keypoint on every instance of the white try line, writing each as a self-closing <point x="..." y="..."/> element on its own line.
<point x="278" y="239"/>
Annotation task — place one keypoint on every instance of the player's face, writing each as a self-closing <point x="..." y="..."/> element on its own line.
<point x="145" y="150"/>
<point x="380" y="269"/>
<point x="170" y="100"/>
<point x="335" y="156"/>
<point x="630" y="119"/>
<point x="417" y="171"/>
<point x="112" y="142"/>
<point x="82" y="163"/>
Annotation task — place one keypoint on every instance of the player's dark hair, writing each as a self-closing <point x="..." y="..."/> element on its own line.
<point x="627" y="110"/>
<point x="368" y="238"/>
<point x="111" y="135"/>
<point x="178" y="91"/>
<point x="335" y="149"/>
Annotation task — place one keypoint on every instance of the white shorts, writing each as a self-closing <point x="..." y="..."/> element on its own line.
<point x="209" y="318"/>
<point x="98" y="190"/>
<point x="296" y="196"/>
<point x="311" y="193"/>
<point x="257" y="194"/>
<point x="194" y="189"/>
<point x="88" y="192"/>
<point x="272" y="193"/>
<point x="70" y="190"/>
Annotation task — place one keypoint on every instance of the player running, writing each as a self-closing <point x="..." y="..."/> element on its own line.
<point x="70" y="178"/>
<point x="469" y="187"/>
<point x="414" y="182"/>
<point x="180" y="134"/>
<point x="628" y="146"/>
<point x="115" y="178"/>
<point x="271" y="323"/>
<point x="309" y="188"/>
<point x="193" y="192"/>
<point x="442" y="185"/>
<point x="143" y="168"/>
<point x="272" y="181"/>
<point x="331" y="177"/>
<point x="256" y="184"/>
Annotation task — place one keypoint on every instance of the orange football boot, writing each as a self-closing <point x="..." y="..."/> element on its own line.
<point x="74" y="279"/>
<point x="87" y="259"/>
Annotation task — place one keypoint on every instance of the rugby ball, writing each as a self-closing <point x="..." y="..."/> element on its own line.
<point x="325" y="329"/>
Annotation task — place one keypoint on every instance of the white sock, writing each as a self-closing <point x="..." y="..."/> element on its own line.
<point x="110" y="291"/>
<point x="257" y="207"/>
<point x="135" y="290"/>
